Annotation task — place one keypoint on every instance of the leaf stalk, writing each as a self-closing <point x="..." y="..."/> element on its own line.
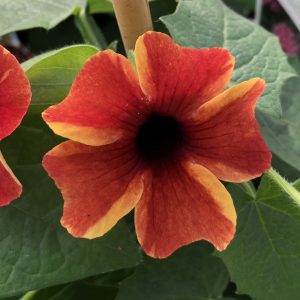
<point x="29" y="295"/>
<point x="89" y="30"/>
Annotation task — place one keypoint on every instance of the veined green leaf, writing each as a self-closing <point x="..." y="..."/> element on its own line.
<point x="264" y="257"/>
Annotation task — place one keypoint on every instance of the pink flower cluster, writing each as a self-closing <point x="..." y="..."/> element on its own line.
<point x="287" y="37"/>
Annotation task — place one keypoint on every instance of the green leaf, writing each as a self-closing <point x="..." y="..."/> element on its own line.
<point x="52" y="74"/>
<point x="282" y="135"/>
<point x="23" y="14"/>
<point x="36" y="251"/>
<point x="190" y="273"/>
<point x="264" y="257"/>
<point x="100" y="6"/>
<point x="209" y="23"/>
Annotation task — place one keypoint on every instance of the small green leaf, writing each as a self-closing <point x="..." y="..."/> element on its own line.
<point x="264" y="257"/>
<point x="52" y="74"/>
<point x="209" y="23"/>
<point x="23" y="14"/>
<point x="100" y="6"/>
<point x="190" y="273"/>
<point x="37" y="252"/>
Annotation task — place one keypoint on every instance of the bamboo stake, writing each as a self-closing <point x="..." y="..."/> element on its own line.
<point x="133" y="18"/>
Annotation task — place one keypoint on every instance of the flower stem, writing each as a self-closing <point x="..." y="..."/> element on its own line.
<point x="89" y="30"/>
<point x="285" y="186"/>
<point x="133" y="18"/>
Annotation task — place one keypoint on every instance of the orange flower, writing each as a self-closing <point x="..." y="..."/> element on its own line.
<point x="157" y="143"/>
<point x="15" y="96"/>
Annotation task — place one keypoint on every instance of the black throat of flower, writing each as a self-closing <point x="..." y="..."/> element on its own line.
<point x="159" y="137"/>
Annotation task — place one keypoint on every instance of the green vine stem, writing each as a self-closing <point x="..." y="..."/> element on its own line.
<point x="89" y="30"/>
<point x="285" y="186"/>
<point x="29" y="295"/>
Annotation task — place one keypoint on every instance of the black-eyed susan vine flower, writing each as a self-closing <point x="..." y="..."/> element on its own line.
<point x="15" y="97"/>
<point x="157" y="142"/>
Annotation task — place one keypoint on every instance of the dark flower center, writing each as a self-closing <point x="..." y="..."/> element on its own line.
<point x="159" y="137"/>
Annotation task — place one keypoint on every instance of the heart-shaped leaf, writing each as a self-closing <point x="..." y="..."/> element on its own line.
<point x="264" y="257"/>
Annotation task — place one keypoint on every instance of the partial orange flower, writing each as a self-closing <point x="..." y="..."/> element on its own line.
<point x="158" y="142"/>
<point x="15" y="97"/>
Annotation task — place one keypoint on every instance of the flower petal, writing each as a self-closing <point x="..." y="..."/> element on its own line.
<point x="225" y="137"/>
<point x="15" y="93"/>
<point x="103" y="102"/>
<point x="99" y="185"/>
<point x="180" y="205"/>
<point x="10" y="187"/>
<point x="178" y="78"/>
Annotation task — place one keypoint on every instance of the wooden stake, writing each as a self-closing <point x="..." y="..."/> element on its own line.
<point x="133" y="18"/>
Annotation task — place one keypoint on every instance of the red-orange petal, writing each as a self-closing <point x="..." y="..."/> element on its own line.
<point x="225" y="137"/>
<point x="10" y="187"/>
<point x="103" y="102"/>
<point x="99" y="185"/>
<point x="179" y="79"/>
<point x="182" y="204"/>
<point x="15" y="93"/>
